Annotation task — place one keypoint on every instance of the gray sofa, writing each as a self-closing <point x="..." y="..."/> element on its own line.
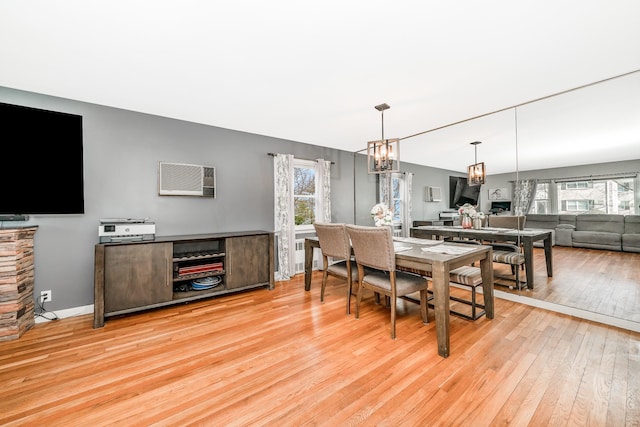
<point x="596" y="231"/>
<point x="631" y="236"/>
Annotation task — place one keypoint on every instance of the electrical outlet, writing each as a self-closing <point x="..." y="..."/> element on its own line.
<point x="45" y="296"/>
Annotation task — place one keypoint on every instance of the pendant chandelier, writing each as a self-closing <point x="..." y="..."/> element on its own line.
<point x="476" y="173"/>
<point x="383" y="156"/>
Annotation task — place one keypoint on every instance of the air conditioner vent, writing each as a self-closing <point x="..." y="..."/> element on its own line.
<point x="181" y="179"/>
<point x="433" y="194"/>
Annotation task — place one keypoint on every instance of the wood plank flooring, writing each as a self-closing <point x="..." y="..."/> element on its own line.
<point x="604" y="282"/>
<point x="281" y="358"/>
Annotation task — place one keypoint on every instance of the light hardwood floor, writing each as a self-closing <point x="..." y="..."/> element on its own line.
<point x="604" y="282"/>
<point x="281" y="358"/>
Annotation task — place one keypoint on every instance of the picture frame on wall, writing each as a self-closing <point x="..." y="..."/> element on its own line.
<point x="498" y="194"/>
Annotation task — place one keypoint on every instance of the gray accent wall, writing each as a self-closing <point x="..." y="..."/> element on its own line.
<point x="121" y="154"/>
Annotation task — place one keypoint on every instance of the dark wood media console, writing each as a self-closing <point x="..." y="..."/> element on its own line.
<point x="140" y="275"/>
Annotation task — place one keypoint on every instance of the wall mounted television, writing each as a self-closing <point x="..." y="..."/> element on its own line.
<point x="497" y="207"/>
<point x="460" y="192"/>
<point x="41" y="166"/>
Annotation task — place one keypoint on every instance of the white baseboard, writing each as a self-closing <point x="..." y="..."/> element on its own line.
<point x="576" y="312"/>
<point x="69" y="312"/>
<point x="582" y="314"/>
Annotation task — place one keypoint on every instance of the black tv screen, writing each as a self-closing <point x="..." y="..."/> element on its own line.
<point x="41" y="170"/>
<point x="460" y="192"/>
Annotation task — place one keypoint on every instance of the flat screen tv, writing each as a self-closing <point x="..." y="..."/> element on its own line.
<point x="460" y="192"/>
<point x="41" y="166"/>
<point x="497" y="207"/>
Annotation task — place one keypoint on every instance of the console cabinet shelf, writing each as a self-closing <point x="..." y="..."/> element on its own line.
<point x="136" y="276"/>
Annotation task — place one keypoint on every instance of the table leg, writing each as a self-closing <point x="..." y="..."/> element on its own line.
<point x="527" y="243"/>
<point x="308" y="264"/>
<point x="548" y="255"/>
<point x="486" y="268"/>
<point x="440" y="280"/>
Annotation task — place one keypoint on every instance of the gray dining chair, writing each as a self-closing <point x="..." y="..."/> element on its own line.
<point x="373" y="249"/>
<point x="335" y="245"/>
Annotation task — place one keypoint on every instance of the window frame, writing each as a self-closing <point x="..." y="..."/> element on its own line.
<point x="306" y="164"/>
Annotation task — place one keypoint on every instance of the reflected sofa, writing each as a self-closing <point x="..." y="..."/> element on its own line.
<point x="596" y="231"/>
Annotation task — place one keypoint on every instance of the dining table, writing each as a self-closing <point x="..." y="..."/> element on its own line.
<point x="525" y="238"/>
<point x="434" y="258"/>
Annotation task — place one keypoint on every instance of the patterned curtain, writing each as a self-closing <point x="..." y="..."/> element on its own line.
<point x="323" y="190"/>
<point x="524" y="192"/>
<point x="283" y="215"/>
<point x="407" y="221"/>
<point x="384" y="182"/>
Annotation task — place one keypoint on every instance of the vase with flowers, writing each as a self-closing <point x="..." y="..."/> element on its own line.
<point x="470" y="217"/>
<point x="381" y="215"/>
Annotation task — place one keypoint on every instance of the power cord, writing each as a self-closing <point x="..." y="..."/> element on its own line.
<point x="42" y="312"/>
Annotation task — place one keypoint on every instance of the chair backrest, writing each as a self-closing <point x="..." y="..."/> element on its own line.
<point x="507" y="221"/>
<point x="373" y="246"/>
<point x="333" y="240"/>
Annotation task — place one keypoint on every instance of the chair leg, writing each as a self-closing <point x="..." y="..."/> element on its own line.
<point x="518" y="285"/>
<point x="358" y="299"/>
<point x="424" y="307"/>
<point x="393" y="319"/>
<point x="473" y="302"/>
<point x="324" y="284"/>
<point x="349" y="286"/>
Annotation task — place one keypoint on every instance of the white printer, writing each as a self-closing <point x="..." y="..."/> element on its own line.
<point x="126" y="229"/>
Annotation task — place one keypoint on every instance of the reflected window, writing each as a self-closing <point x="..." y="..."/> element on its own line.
<point x="610" y="196"/>
<point x="542" y="201"/>
<point x="576" y="205"/>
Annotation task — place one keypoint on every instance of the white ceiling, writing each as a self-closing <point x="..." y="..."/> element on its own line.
<point x="313" y="71"/>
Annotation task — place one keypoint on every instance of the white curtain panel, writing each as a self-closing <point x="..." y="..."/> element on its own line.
<point x="407" y="220"/>
<point x="385" y="189"/>
<point x="283" y="215"/>
<point x="323" y="191"/>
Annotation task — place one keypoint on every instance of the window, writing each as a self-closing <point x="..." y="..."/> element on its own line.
<point x="304" y="193"/>
<point x="577" y="205"/>
<point x="541" y="203"/>
<point x="576" y="185"/>
<point x="612" y="196"/>
<point x="393" y="190"/>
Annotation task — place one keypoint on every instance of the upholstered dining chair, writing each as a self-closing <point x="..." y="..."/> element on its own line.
<point x="515" y="222"/>
<point x="512" y="255"/>
<point x="334" y="244"/>
<point x="373" y="248"/>
<point x="467" y="277"/>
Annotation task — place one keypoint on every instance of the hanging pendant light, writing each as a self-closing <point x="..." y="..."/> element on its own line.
<point x="476" y="173"/>
<point x="383" y="156"/>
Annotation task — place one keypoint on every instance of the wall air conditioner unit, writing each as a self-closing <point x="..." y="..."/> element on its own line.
<point x="433" y="194"/>
<point x="180" y="179"/>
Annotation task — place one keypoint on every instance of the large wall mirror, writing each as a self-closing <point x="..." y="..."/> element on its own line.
<point x="586" y="138"/>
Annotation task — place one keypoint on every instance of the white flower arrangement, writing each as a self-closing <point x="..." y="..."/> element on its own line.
<point x="470" y="211"/>
<point x="381" y="215"/>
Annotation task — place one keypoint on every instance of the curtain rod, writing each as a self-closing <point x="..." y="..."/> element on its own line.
<point x="309" y="160"/>
<point x="590" y="177"/>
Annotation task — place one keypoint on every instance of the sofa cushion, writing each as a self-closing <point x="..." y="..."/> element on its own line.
<point x="545" y="221"/>
<point x="632" y="224"/>
<point x="569" y="219"/>
<point x="597" y="240"/>
<point x="631" y="242"/>
<point x="600" y="222"/>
